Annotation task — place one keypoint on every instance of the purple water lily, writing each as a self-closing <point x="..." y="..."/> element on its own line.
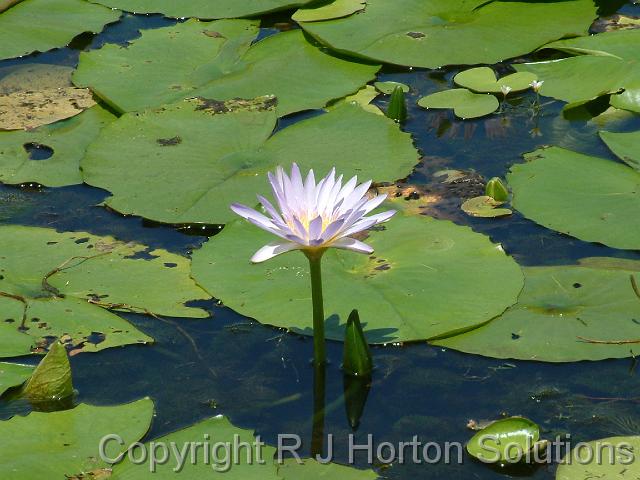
<point x="313" y="217"/>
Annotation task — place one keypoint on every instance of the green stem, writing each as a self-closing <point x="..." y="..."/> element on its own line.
<point x="315" y="259"/>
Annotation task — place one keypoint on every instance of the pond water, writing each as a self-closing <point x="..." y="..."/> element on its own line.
<point x="261" y="377"/>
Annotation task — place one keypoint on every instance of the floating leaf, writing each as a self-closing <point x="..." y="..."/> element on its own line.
<point x="362" y="98"/>
<point x="564" y="314"/>
<point x="55" y="285"/>
<point x="388" y="87"/>
<point x="465" y="104"/>
<point x="204" y="8"/>
<point x="586" y="197"/>
<point x="484" y="206"/>
<point x="12" y="375"/>
<point x="504" y="441"/>
<point x="625" y="145"/>
<point x="217" y="60"/>
<point x="51" y="379"/>
<point x="40" y="25"/>
<point x="65" y="142"/>
<point x="27" y="109"/>
<point x="448" y="32"/>
<point x="613" y="458"/>
<point x="483" y="79"/>
<point x="605" y="63"/>
<point x="312" y="470"/>
<point x="335" y="9"/>
<point x="67" y="441"/>
<point x="411" y="287"/>
<point x="224" y="151"/>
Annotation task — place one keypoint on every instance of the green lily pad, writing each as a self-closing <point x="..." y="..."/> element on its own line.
<point x="204" y="8"/>
<point x="67" y="442"/>
<point x="623" y="464"/>
<point x="589" y="198"/>
<point x="484" y="206"/>
<point x="483" y="79"/>
<point x="13" y="374"/>
<point x="361" y="98"/>
<point x="335" y="9"/>
<point x="388" y="87"/>
<point x="312" y="470"/>
<point x="465" y="104"/>
<point x="61" y="285"/>
<point x="625" y="145"/>
<point x="41" y="25"/>
<point x="217" y="60"/>
<point x="409" y="289"/>
<point x="224" y="152"/>
<point x="561" y="315"/>
<point x="606" y="63"/>
<point x="51" y="379"/>
<point x="67" y="140"/>
<point x="452" y="32"/>
<point x="492" y="443"/>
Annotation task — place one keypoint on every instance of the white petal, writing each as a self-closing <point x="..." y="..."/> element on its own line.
<point x="352" y="244"/>
<point x="277" y="218"/>
<point x="272" y="249"/>
<point x="315" y="228"/>
<point x="250" y="214"/>
<point x="375" y="202"/>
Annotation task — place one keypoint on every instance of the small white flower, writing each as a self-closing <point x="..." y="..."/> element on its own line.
<point x="536" y="85"/>
<point x="314" y="217"/>
<point x="505" y="89"/>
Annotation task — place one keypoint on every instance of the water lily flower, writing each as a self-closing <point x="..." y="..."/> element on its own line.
<point x="536" y="85"/>
<point x="313" y="217"/>
<point x="505" y="89"/>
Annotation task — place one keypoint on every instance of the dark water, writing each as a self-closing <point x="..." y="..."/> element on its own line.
<point x="261" y="377"/>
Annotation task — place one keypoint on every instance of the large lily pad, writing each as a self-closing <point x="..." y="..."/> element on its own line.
<point x="40" y="25"/>
<point x="56" y="285"/>
<point x="605" y="63"/>
<point x="67" y="442"/>
<point x="214" y="60"/>
<point x="564" y="314"/>
<point x="427" y="278"/>
<point x="13" y="374"/>
<point x="209" y="154"/>
<point x="446" y="32"/>
<point x="204" y="8"/>
<point x="625" y="145"/>
<point x="613" y="458"/>
<point x="465" y="104"/>
<point x="66" y="142"/>
<point x="589" y="198"/>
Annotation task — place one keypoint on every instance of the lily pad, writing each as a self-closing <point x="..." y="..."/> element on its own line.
<point x="606" y="63"/>
<point x="361" y="98"/>
<point x="564" y="314"/>
<point x="62" y="285"/>
<point x="465" y="104"/>
<point x="309" y="469"/>
<point x="13" y="374"/>
<point x="335" y="9"/>
<point x="388" y="87"/>
<point x="427" y="278"/>
<point x="31" y="109"/>
<point x="451" y="32"/>
<point x="51" y="379"/>
<point x="484" y="206"/>
<point x="625" y="145"/>
<point x="224" y="152"/>
<point x="66" y="442"/>
<point x="204" y="8"/>
<point x="65" y="142"/>
<point x="34" y="76"/>
<point x="217" y="60"/>
<point x="504" y="441"/>
<point x="621" y="465"/>
<point x="483" y="79"/>
<point x="589" y="198"/>
<point x="41" y="25"/>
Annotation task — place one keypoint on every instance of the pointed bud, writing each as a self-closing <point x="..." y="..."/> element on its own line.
<point x="51" y="380"/>
<point x="397" y="109"/>
<point x="497" y="190"/>
<point x="357" y="356"/>
<point x="356" y="391"/>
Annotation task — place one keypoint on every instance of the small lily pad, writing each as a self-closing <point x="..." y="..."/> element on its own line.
<point x="13" y="374"/>
<point x="626" y="146"/>
<point x="335" y="9"/>
<point x="484" y="206"/>
<point x="504" y="441"/>
<point x="465" y="104"/>
<point x="362" y="98"/>
<point x="483" y="79"/>
<point x="388" y="87"/>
